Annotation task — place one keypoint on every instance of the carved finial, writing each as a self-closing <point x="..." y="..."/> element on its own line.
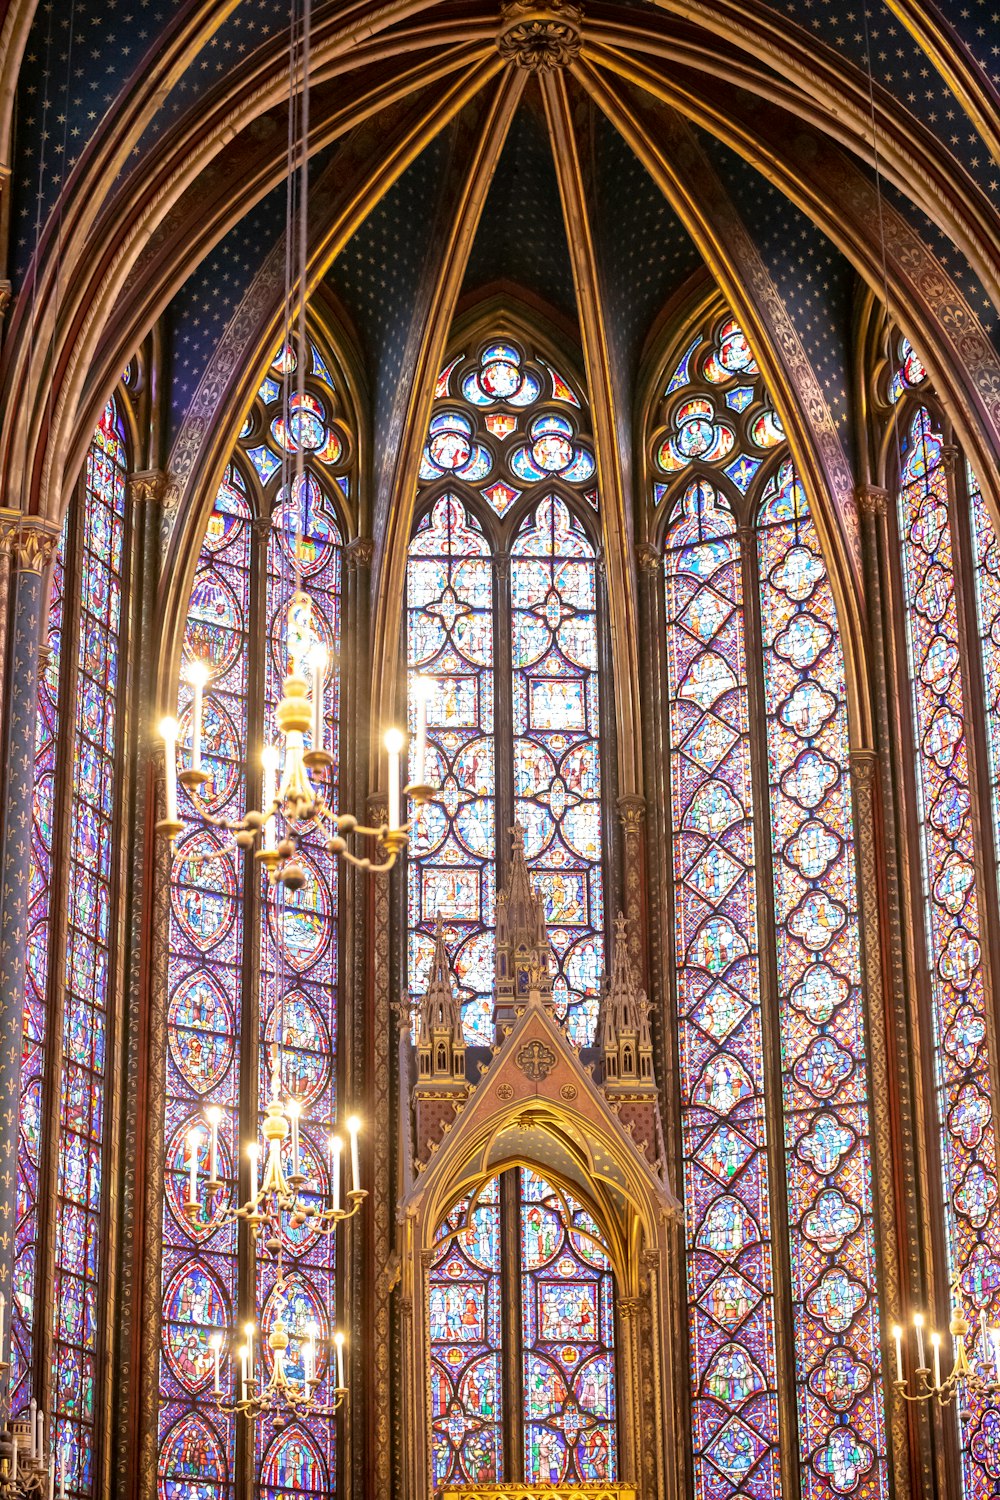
<point x="539" y="37"/>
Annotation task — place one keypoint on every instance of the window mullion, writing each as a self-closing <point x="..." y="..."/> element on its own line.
<point x="503" y="691"/>
<point x="770" y="1017"/>
<point x="512" y="1289"/>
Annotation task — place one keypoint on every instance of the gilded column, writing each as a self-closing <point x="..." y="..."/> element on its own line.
<point x="380" y="1224"/>
<point x="31" y="541"/>
<point x="632" y="812"/>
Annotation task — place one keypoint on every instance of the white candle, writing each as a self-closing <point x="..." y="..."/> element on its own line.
<point x="216" y="1342"/>
<point x="422" y="689"/>
<point x="293" y="1114"/>
<point x="336" y="1146"/>
<point x="318" y="661"/>
<point x="40" y="1438"/>
<point x="168" y="734"/>
<point x="995" y="1339"/>
<point x="936" y="1346"/>
<point x="13" y="1455"/>
<point x="214" y="1117"/>
<point x="393" y="743"/>
<point x="62" y="1475"/>
<point x="193" y="1142"/>
<point x="269" y="760"/>
<point x="308" y="1364"/>
<point x="353" y="1126"/>
<point x="248" y="1329"/>
<point x="918" y="1323"/>
<point x="983" y="1337"/>
<point x="338" y="1339"/>
<point x="244" y="1353"/>
<point x="52" y="1477"/>
<point x="897" y="1334"/>
<point x="197" y="677"/>
<point x="32" y="1426"/>
<point x="253" y="1151"/>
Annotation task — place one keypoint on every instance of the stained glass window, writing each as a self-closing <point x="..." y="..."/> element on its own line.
<point x="501" y="536"/>
<point x="742" y="537"/>
<point x="36" y="994"/>
<point x="80" y="1186"/>
<point x="284" y="970"/>
<point x="553" y="1269"/>
<point x="952" y="897"/>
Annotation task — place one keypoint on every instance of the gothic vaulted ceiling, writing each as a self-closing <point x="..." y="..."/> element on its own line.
<point x="684" y="142"/>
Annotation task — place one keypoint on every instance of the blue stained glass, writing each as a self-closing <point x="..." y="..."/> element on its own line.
<point x="79" y="1186"/>
<point x="295" y="956"/>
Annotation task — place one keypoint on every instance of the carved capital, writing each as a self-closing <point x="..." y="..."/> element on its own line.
<point x="146" y="486"/>
<point x="30" y="540"/>
<point x="632" y="811"/>
<point x="871" y="499"/>
<point x="5" y="296"/>
<point x="864" y="764"/>
<point x="359" y="553"/>
<point x="539" y="37"/>
<point x="950" y="454"/>
<point x="647" y="559"/>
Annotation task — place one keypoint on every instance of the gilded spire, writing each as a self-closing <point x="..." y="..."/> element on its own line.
<point x="626" y="1038"/>
<point x="522" y="946"/>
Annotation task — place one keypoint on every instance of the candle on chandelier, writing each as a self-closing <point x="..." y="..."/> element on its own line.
<point x="62" y="1475"/>
<point x="353" y="1126"/>
<point x="32" y="1427"/>
<point x="197" y="676"/>
<point x="308" y="1365"/>
<point x="394" y="742"/>
<point x="317" y="660"/>
<point x="214" y="1116"/>
<point x="918" y="1323"/>
<point x="244" y="1377"/>
<point x="936" y="1346"/>
<point x="336" y="1147"/>
<point x="338" y="1339"/>
<point x="169" y="731"/>
<point x="269" y="759"/>
<point x="995" y="1340"/>
<point x="294" y="1111"/>
<point x="216" y="1344"/>
<point x="897" y="1334"/>
<point x="248" y="1329"/>
<point x="193" y="1142"/>
<point x="40" y="1436"/>
<point x="253" y="1152"/>
<point x="422" y="690"/>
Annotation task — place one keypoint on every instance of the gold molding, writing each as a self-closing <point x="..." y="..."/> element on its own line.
<point x="541" y="1492"/>
<point x="540" y="37"/>
<point x="30" y="540"/>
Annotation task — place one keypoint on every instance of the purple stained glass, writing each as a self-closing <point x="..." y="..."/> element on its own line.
<point x="951" y="885"/>
<point x="463" y="1313"/>
<point x="456" y="598"/>
<point x="557" y="755"/>
<point x="299" y="965"/>
<point x="36" y="995"/>
<point x="821" y="1005"/>
<point x="204" y="1017"/>
<point x="826" y="1181"/>
<point x="568" y="1339"/>
<point x="452" y="875"/>
<point x="724" y="1128"/>
<point x="86" y="995"/>
<point x="293" y="952"/>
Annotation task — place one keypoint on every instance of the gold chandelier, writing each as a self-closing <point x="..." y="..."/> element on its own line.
<point x="974" y="1374"/>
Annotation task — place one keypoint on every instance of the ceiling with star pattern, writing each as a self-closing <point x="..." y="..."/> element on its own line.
<point x="85" y="64"/>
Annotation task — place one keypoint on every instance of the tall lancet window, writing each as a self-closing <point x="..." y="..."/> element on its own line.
<point x="950" y="608"/>
<point x="253" y="978"/>
<point x="504" y="614"/>
<point x="766" y="953"/>
<point x="533" y="1395"/>
<point x="69" y="1032"/>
